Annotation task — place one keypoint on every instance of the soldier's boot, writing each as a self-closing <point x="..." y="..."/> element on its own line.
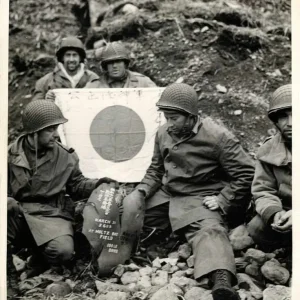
<point x="12" y="277"/>
<point x="222" y="289"/>
<point x="36" y="265"/>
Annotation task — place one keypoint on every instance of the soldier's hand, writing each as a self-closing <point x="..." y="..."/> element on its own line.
<point x="106" y="180"/>
<point x="284" y="224"/>
<point x="211" y="202"/>
<point x="277" y="217"/>
<point x="50" y="96"/>
<point x="13" y="207"/>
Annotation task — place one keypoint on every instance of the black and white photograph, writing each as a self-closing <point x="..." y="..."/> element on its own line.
<point x="149" y="150"/>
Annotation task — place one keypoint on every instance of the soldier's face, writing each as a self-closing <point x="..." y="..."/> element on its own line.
<point x="176" y="121"/>
<point x="71" y="60"/>
<point x="47" y="137"/>
<point x="284" y="123"/>
<point x="116" y="69"/>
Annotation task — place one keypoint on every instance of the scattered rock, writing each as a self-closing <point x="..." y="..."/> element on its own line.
<point x="245" y="295"/>
<point x="182" y="266"/>
<point x="189" y="272"/>
<point x="166" y="293"/>
<point x="255" y="255"/>
<point x="238" y="112"/>
<point x="204" y="29"/>
<point x="204" y="283"/>
<point x="130" y="277"/>
<point x="196" y="293"/>
<point x="18" y="262"/>
<point x="132" y="287"/>
<point x="254" y="271"/>
<point x="179" y="274"/>
<point x="275" y="273"/>
<point x="58" y="289"/>
<point x="113" y="296"/>
<point x="167" y="267"/>
<point x="190" y="261"/>
<point x="140" y="295"/>
<point x="146" y="271"/>
<point x="132" y="267"/>
<point x="184" y="251"/>
<point x="119" y="271"/>
<point x="160" y="278"/>
<point x="171" y="261"/>
<point x="221" y="89"/>
<point x="245" y="282"/>
<point x="104" y="287"/>
<point x="144" y="282"/>
<point x="277" y="292"/>
<point x="179" y="80"/>
<point x="51" y="277"/>
<point x="184" y="282"/>
<point x="174" y="269"/>
<point x="129" y="9"/>
<point x="240" y="239"/>
<point x="173" y="255"/>
<point x="156" y="263"/>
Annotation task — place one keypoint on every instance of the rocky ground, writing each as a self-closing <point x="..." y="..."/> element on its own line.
<point x="234" y="53"/>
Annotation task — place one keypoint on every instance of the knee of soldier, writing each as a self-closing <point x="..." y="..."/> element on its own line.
<point x="213" y="226"/>
<point x="61" y="249"/>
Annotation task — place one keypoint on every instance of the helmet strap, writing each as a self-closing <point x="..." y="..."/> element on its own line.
<point x="35" y="138"/>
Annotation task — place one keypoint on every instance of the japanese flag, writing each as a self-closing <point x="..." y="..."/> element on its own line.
<point x="111" y="130"/>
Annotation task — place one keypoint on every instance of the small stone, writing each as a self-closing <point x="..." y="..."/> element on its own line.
<point x="204" y="29"/>
<point x="179" y="274"/>
<point x="160" y="278"/>
<point x="119" y="271"/>
<point x="204" y="283"/>
<point x="19" y="263"/>
<point x="179" y="80"/>
<point x="156" y="263"/>
<point x="146" y="271"/>
<point x="128" y="9"/>
<point x="113" y="296"/>
<point x="144" y="282"/>
<point x="184" y="282"/>
<point x="51" y="277"/>
<point x="189" y="272"/>
<point x="174" y="269"/>
<point x="245" y="295"/>
<point x="132" y="287"/>
<point x="171" y="261"/>
<point x="190" y="261"/>
<point x="221" y="89"/>
<point x="130" y="277"/>
<point x="182" y="266"/>
<point x="58" y="289"/>
<point x="173" y="255"/>
<point x="275" y="273"/>
<point x="132" y="267"/>
<point x="167" y="267"/>
<point x="245" y="282"/>
<point x="221" y="101"/>
<point x="195" y="293"/>
<point x="184" y="251"/>
<point x="197" y="30"/>
<point x="164" y="293"/>
<point x="255" y="255"/>
<point x="104" y="287"/>
<point x="277" y="292"/>
<point x="140" y="295"/>
<point x="238" y="112"/>
<point x="254" y="271"/>
<point x="239" y="238"/>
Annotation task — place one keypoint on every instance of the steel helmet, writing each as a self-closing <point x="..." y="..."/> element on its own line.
<point x="69" y="43"/>
<point x="40" y="114"/>
<point x="113" y="51"/>
<point x="281" y="99"/>
<point x="179" y="96"/>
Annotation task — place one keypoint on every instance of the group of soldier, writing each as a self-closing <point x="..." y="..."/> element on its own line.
<point x="200" y="180"/>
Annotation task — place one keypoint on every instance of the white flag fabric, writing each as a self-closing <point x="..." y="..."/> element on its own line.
<point x="111" y="130"/>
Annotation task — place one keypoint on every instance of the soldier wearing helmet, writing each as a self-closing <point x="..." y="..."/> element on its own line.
<point x="271" y="228"/>
<point x="114" y="59"/>
<point x="199" y="177"/>
<point x="43" y="180"/>
<point x="69" y="72"/>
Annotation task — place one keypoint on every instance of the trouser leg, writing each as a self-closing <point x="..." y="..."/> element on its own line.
<point x="267" y="238"/>
<point x="59" y="251"/>
<point x="211" y="247"/>
<point x="158" y="217"/>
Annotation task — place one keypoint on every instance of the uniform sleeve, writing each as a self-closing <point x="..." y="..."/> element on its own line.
<point x="40" y="89"/>
<point x="238" y="165"/>
<point x="78" y="186"/>
<point x="265" y="192"/>
<point x="153" y="178"/>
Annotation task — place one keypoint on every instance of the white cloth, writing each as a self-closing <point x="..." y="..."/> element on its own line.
<point x="73" y="79"/>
